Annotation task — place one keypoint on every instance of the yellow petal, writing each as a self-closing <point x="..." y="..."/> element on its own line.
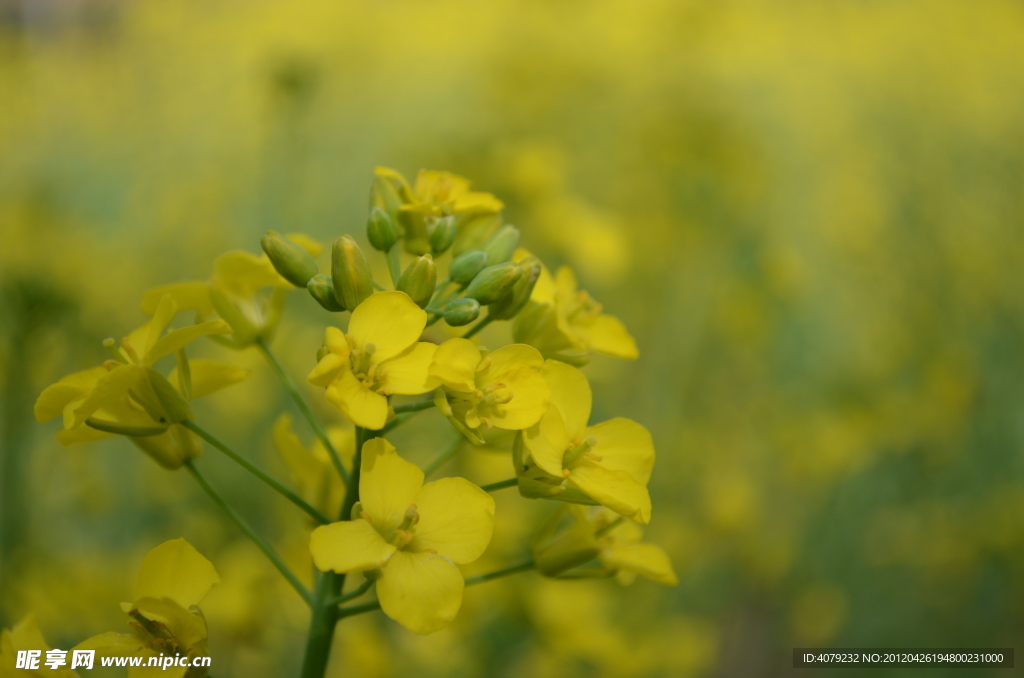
<point x="349" y="546"/>
<point x="388" y="484"/>
<point x="509" y="359"/>
<point x="391" y="321"/>
<point x="81" y="434"/>
<point x="456" y="520"/>
<point x="305" y="242"/>
<point x="362" y="406"/>
<point x="606" y="334"/>
<point x="54" y="398"/>
<point x="176" y="339"/>
<point x="408" y="373"/>
<point x="570" y="393"/>
<point x="565" y="283"/>
<point x="547" y="442"/>
<point x="327" y="369"/>
<point x="616" y="490"/>
<point x="209" y="376"/>
<point x="530" y="399"/>
<point x="420" y="591"/>
<point x="112" y="644"/>
<point x="112" y="387"/>
<point x="242" y="273"/>
<point x="647" y="560"/>
<point x="187" y="628"/>
<point x="25" y="636"/>
<point x="624" y="445"/>
<point x="335" y="341"/>
<point x="175" y="570"/>
<point x="142" y="339"/>
<point x="455" y="363"/>
<point x="191" y="295"/>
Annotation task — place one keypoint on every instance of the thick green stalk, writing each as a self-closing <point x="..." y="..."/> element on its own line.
<point x="257" y="471"/>
<point x="303" y="406"/>
<point x="249" y="532"/>
<point x="326" y="613"/>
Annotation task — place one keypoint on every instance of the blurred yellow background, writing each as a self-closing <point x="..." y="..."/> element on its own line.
<point x="809" y="213"/>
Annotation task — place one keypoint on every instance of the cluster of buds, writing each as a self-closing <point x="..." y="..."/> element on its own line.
<point x="438" y="217"/>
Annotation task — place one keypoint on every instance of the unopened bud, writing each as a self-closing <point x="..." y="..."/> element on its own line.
<point x="502" y="244"/>
<point x="419" y="280"/>
<point x="509" y="305"/>
<point x="294" y="263"/>
<point x="465" y="266"/>
<point x="493" y="282"/>
<point x="381" y="230"/>
<point x="384" y="195"/>
<point x="461" y="312"/>
<point x="350" y="273"/>
<point x="321" y="288"/>
<point x="243" y="330"/>
<point x="441" y="234"/>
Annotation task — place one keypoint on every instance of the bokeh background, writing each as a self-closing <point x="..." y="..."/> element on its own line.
<point x="808" y="212"/>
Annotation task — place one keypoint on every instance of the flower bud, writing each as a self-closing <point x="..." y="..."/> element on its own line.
<point x="419" y="280"/>
<point x="441" y="234"/>
<point x="493" y="282"/>
<point x="243" y="329"/>
<point x="293" y="262"/>
<point x="350" y="273"/>
<point x="460" y="312"/>
<point x="384" y="195"/>
<point x="502" y="244"/>
<point x="381" y="230"/>
<point x="513" y="302"/>
<point x="465" y="266"/>
<point x="173" y="402"/>
<point x="321" y="288"/>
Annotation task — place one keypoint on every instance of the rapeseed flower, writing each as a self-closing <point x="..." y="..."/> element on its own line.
<point x="411" y="537"/>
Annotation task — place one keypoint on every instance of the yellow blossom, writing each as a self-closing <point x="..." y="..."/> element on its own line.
<point x="380" y="355"/>
<point x="26" y="636"/>
<point x="128" y="397"/>
<point x="566" y="323"/>
<point x="413" y="536"/>
<point x="563" y="458"/>
<point x="164" y="617"/>
<point x="502" y="389"/>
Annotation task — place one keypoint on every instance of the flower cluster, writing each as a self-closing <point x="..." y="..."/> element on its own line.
<point x="452" y="261"/>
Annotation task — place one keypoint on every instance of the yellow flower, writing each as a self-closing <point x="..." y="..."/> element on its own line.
<point x="566" y="323"/>
<point x="614" y="542"/>
<point x="311" y="468"/>
<point x="245" y="290"/>
<point x="563" y="458"/>
<point x="414" y="534"/>
<point x="378" y="357"/>
<point x="437" y="194"/>
<point x="173" y="579"/>
<point x="128" y="397"/>
<point x="502" y="389"/>
<point x="26" y="636"/>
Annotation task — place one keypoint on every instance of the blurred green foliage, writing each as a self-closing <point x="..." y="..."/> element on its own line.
<point x="807" y="212"/>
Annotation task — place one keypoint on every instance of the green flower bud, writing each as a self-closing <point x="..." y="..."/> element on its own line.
<point x="321" y="288"/>
<point x="162" y="402"/>
<point x="502" y="244"/>
<point x="294" y="263"/>
<point x="243" y="330"/>
<point x="350" y="273"/>
<point x="460" y="312"/>
<point x="513" y="302"/>
<point x="384" y="195"/>
<point x="381" y="230"/>
<point x="493" y="282"/>
<point x="441" y="234"/>
<point x="419" y="280"/>
<point x="465" y="266"/>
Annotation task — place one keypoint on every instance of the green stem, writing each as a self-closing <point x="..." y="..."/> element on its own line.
<point x="249" y="532"/>
<point x="257" y="471"/>
<point x="500" y="485"/>
<point x="419" y="406"/>
<point x="609" y="527"/>
<point x="352" y="595"/>
<point x="326" y="613"/>
<point x="395" y="423"/>
<point x="303" y="406"/>
<point x="394" y="265"/>
<point x="479" y="326"/>
<point x="472" y="581"/>
<point x="440" y="460"/>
